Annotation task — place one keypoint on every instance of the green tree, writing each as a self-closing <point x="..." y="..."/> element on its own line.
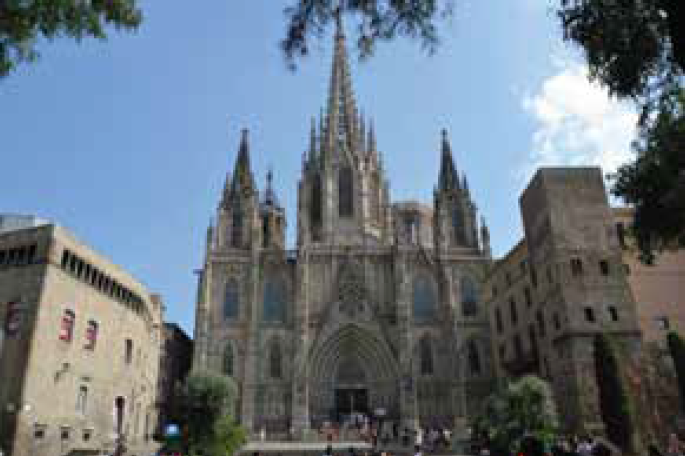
<point x="23" y="22"/>
<point x="654" y="184"/>
<point x="614" y="402"/>
<point x="375" y="20"/>
<point x="676" y="346"/>
<point x="207" y="401"/>
<point x="523" y="407"/>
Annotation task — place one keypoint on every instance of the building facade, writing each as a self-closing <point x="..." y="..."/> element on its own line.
<point x="377" y="310"/>
<point x="80" y="355"/>
<point x="175" y="360"/>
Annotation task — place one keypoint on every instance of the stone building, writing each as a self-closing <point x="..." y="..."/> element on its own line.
<point x="79" y="360"/>
<point x="658" y="289"/>
<point x="175" y="360"/>
<point x="560" y="286"/>
<point x="377" y="310"/>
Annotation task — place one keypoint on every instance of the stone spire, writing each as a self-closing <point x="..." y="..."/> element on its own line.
<point x="485" y="238"/>
<point x="313" y="150"/>
<point x="341" y="120"/>
<point x="448" y="179"/>
<point x="243" y="181"/>
<point x="270" y="198"/>
<point x="372" y="140"/>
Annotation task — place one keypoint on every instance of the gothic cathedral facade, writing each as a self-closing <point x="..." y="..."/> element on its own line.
<point x="377" y="309"/>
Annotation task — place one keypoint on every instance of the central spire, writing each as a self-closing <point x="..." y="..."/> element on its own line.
<point x="341" y="115"/>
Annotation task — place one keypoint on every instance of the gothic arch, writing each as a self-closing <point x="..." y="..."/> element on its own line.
<point x="426" y="354"/>
<point x="228" y="360"/>
<point x="469" y="296"/>
<point x="274" y="309"/>
<point x="345" y="192"/>
<point x="275" y="358"/>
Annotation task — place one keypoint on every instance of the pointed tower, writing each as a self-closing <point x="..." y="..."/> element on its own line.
<point x="343" y="195"/>
<point x="455" y="222"/>
<point x="238" y="209"/>
<point x="272" y="218"/>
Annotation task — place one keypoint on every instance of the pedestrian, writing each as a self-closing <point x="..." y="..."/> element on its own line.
<point x="328" y="451"/>
<point x="350" y="451"/>
<point x="417" y="451"/>
<point x="674" y="446"/>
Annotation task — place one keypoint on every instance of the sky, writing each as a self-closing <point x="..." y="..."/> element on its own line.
<point x="127" y="142"/>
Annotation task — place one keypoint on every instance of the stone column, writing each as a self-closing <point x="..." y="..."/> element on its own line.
<point x="408" y="386"/>
<point x="300" y="393"/>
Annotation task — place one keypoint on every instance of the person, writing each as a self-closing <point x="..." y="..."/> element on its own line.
<point x="417" y="450"/>
<point x="674" y="445"/>
<point x="653" y="450"/>
<point x="350" y="451"/>
<point x="328" y="451"/>
<point x="585" y="447"/>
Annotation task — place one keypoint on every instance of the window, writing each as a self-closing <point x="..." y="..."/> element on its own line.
<point x="522" y="266"/>
<point x="513" y="311"/>
<point x="533" y="277"/>
<point x="236" y="228"/>
<point x="527" y="297"/>
<point x="541" y="323"/>
<point x="498" y="320"/>
<point x="590" y="314"/>
<point x="424" y="298"/>
<point x="508" y="278"/>
<point x="576" y="266"/>
<point x="315" y="209"/>
<point x="550" y="276"/>
<point x="128" y="351"/>
<point x="621" y="233"/>
<point x="91" y="335"/>
<point x="275" y="365"/>
<point x="469" y="298"/>
<point x="518" y="347"/>
<point x="266" y="231"/>
<point x="227" y="366"/>
<point x="663" y="323"/>
<point x="626" y="269"/>
<point x="613" y="312"/>
<point x="604" y="267"/>
<point x="494" y="291"/>
<point x="274" y="301"/>
<point x="82" y="399"/>
<point x="502" y="351"/>
<point x="426" y="353"/>
<point x="231" y="300"/>
<point x="67" y="329"/>
<point x="39" y="431"/>
<point x="345" y="189"/>
<point x="474" y="358"/>
<point x="533" y="340"/>
<point x="557" y="321"/>
<point x="64" y="432"/>
<point x="13" y="318"/>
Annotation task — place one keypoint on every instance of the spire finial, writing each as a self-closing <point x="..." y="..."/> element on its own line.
<point x="448" y="179"/>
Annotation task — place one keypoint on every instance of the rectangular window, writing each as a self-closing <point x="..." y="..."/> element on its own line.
<point x="663" y="323"/>
<point x="91" y="335"/>
<point x="65" y="259"/>
<point x="613" y="313"/>
<point x="67" y="327"/>
<point x="31" y="254"/>
<point x="576" y="266"/>
<point x="3" y="257"/>
<point x="128" y="351"/>
<point x="604" y="267"/>
<point x="590" y="314"/>
<point x="82" y="399"/>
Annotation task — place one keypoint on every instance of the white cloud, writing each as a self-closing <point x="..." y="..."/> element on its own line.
<point x="577" y="124"/>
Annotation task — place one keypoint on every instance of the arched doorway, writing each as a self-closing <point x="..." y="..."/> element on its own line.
<point x="352" y="370"/>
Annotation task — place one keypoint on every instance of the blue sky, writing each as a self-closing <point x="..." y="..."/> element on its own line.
<point x="127" y="142"/>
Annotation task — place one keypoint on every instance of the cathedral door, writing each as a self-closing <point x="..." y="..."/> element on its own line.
<point x="351" y="400"/>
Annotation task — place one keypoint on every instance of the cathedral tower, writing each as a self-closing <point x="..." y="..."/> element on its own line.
<point x="343" y="195"/>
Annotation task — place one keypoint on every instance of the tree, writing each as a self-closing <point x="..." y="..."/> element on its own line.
<point x="521" y="408"/>
<point x="207" y="401"/>
<point x="22" y="22"/>
<point x="614" y="403"/>
<point x="655" y="182"/>
<point x="676" y="346"/>
<point x="377" y="20"/>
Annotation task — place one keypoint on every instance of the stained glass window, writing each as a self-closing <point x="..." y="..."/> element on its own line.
<point x="231" y="300"/>
<point x="345" y="205"/>
<point x="469" y="297"/>
<point x="424" y="298"/>
<point x="474" y="358"/>
<point x="274" y="301"/>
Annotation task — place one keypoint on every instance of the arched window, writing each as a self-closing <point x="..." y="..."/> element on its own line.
<point x="237" y="228"/>
<point x="474" y="358"/>
<point x="275" y="360"/>
<point x="231" y="300"/>
<point x="345" y="190"/>
<point x="91" y="335"/>
<point x="227" y="362"/>
<point x="469" y="297"/>
<point x="274" y="301"/>
<point x="458" y="225"/>
<point x="426" y="356"/>
<point x="424" y="298"/>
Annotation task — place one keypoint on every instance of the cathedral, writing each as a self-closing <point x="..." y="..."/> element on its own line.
<point x="378" y="308"/>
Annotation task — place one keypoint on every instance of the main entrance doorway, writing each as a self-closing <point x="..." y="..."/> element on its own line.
<point x="351" y="400"/>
